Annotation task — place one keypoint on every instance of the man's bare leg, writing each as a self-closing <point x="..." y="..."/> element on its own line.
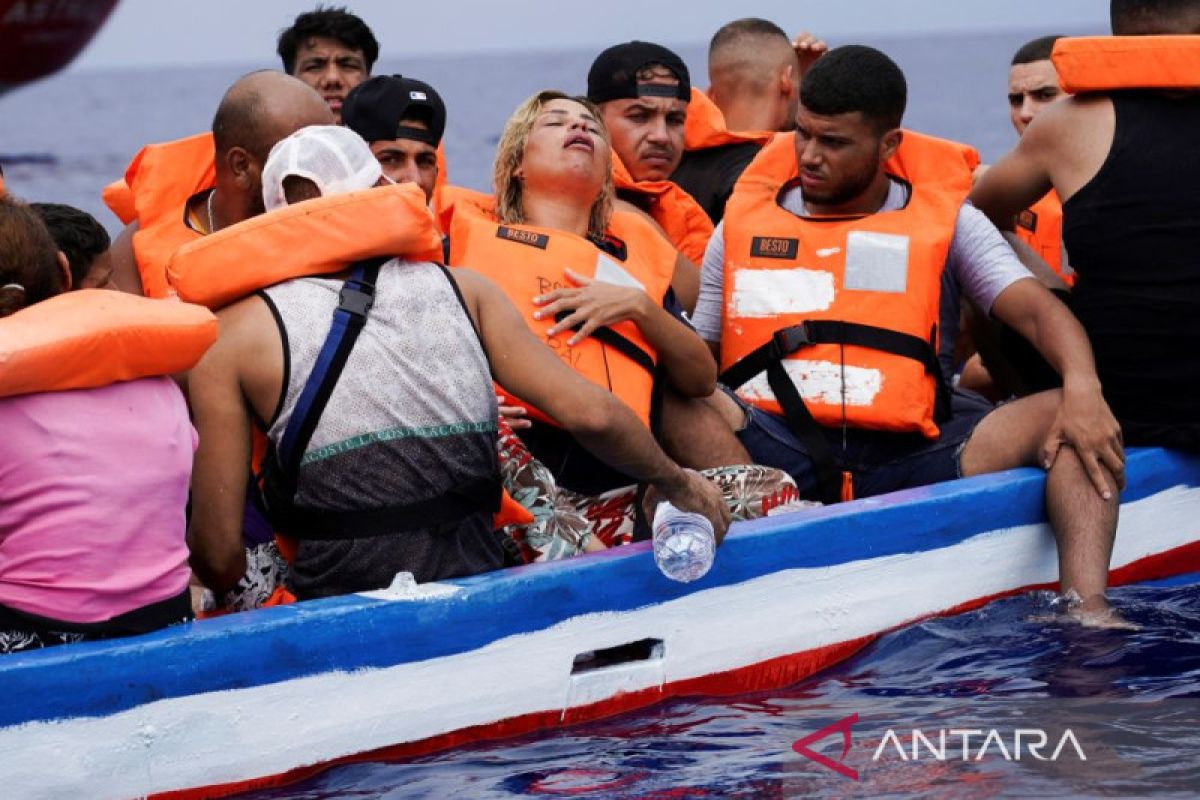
<point x="1084" y="523"/>
<point x="699" y="433"/>
<point x="1085" y="526"/>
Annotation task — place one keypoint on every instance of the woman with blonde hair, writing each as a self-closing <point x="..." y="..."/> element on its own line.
<point x="594" y="280"/>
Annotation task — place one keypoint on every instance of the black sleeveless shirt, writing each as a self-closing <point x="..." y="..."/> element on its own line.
<point x="1133" y="234"/>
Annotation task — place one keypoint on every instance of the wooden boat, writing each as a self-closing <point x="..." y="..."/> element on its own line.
<point x="261" y="698"/>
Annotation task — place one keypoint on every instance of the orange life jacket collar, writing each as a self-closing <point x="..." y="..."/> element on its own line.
<point x="705" y="126"/>
<point x="316" y="237"/>
<point x="686" y="224"/>
<point x="95" y="337"/>
<point x="1104" y="63"/>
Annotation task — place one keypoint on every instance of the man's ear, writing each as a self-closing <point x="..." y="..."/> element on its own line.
<point x="64" y="268"/>
<point x="890" y="143"/>
<point x="242" y="167"/>
<point x="788" y="85"/>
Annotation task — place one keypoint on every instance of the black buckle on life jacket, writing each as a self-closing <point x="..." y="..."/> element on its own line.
<point x="354" y="301"/>
<point x="786" y="341"/>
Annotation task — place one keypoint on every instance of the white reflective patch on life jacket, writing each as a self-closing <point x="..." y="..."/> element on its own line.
<point x="610" y="271"/>
<point x="820" y="382"/>
<point x="876" y="262"/>
<point x="759" y="293"/>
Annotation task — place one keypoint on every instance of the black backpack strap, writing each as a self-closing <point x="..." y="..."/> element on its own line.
<point x="769" y="358"/>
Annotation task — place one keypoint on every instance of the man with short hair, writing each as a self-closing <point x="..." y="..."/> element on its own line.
<point x="373" y="487"/>
<point x="1033" y="86"/>
<point x="1122" y="156"/>
<point x="843" y="280"/>
<point x="82" y="240"/>
<point x="402" y="119"/>
<point x="754" y="73"/>
<point x="221" y="180"/>
<point x="330" y="49"/>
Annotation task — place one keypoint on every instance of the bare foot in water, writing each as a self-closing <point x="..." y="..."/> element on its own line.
<point x="1095" y="612"/>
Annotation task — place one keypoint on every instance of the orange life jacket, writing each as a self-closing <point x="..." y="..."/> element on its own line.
<point x="451" y="197"/>
<point x="677" y="212"/>
<point x="526" y="261"/>
<point x="705" y="126"/>
<point x="96" y="337"/>
<point x="154" y="192"/>
<point x="316" y="237"/>
<point x="1103" y="63"/>
<point x="792" y="283"/>
<point x="1040" y="227"/>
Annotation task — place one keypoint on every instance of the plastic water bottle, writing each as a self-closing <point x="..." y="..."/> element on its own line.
<point x="684" y="545"/>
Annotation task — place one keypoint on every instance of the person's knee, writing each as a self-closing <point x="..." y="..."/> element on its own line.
<point x="1011" y="436"/>
<point x="699" y="432"/>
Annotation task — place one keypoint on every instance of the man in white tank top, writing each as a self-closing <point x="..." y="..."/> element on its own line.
<point x="246" y="374"/>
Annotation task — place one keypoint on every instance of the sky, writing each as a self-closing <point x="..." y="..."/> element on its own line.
<point x="162" y="32"/>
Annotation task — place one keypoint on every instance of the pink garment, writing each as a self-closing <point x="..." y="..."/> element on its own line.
<point x="93" y="486"/>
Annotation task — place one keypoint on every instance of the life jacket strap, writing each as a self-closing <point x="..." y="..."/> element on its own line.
<point x="608" y="336"/>
<point x="784" y="342"/>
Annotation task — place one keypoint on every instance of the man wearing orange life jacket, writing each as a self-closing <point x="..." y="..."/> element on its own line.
<point x="754" y="72"/>
<point x="825" y="292"/>
<point x="194" y="186"/>
<point x="642" y="90"/>
<point x="1032" y="86"/>
<point x="1121" y="154"/>
<point x="418" y="328"/>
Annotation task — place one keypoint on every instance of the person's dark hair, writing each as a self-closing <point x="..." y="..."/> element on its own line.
<point x="731" y="32"/>
<point x="77" y="234"/>
<point x="1147" y="17"/>
<point x="29" y="271"/>
<point x="1037" y="50"/>
<point x="333" y="22"/>
<point x="856" y="78"/>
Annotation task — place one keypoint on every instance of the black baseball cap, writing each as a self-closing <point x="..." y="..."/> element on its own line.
<point x="374" y="108"/>
<point x="613" y="75"/>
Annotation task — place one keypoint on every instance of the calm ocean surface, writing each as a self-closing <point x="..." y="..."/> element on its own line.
<point x="1132" y="700"/>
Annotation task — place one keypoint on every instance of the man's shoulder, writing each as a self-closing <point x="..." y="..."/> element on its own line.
<point x="1058" y="126"/>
